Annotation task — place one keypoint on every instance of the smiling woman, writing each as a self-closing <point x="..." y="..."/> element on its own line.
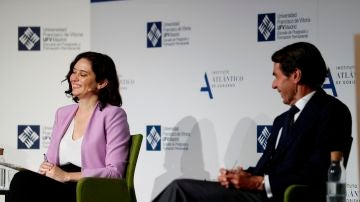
<point x="82" y="80"/>
<point x="97" y="75"/>
<point x="89" y="138"/>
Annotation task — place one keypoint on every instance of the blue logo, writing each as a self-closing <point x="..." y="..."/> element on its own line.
<point x="331" y="84"/>
<point x="29" y="38"/>
<point x="263" y="134"/>
<point x="154" y="32"/>
<point x="266" y="27"/>
<point x="153" y="138"/>
<point x="207" y="88"/>
<point x="28" y="136"/>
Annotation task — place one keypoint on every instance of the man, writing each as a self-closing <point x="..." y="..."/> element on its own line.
<point x="298" y="150"/>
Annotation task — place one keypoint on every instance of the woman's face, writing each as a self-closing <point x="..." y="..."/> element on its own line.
<point x="82" y="80"/>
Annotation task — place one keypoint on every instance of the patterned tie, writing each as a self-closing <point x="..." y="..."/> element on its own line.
<point x="289" y="121"/>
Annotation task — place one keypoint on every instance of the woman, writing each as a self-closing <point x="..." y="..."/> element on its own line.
<point x="89" y="138"/>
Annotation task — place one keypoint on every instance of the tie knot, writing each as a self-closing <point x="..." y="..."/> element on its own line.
<point x="293" y="110"/>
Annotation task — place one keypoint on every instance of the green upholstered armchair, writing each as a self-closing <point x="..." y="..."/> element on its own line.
<point x="301" y="193"/>
<point x="91" y="189"/>
<point x="296" y="193"/>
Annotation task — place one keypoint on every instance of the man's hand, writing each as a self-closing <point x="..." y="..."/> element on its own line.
<point x="228" y="177"/>
<point x="240" y="179"/>
<point x="222" y="178"/>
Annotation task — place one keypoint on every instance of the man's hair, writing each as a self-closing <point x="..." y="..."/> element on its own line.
<point x="305" y="57"/>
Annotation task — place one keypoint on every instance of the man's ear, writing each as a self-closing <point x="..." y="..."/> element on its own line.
<point x="296" y="75"/>
<point x="102" y="84"/>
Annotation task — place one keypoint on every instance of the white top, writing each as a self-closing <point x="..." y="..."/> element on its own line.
<point x="70" y="150"/>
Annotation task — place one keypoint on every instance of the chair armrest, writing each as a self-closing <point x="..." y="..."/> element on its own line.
<point x="90" y="189"/>
<point x="297" y="192"/>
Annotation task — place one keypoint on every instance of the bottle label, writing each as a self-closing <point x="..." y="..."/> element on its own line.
<point x="336" y="192"/>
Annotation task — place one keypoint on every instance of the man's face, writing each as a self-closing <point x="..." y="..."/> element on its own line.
<point x="286" y="86"/>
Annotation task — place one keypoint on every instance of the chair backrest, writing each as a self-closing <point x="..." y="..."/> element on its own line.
<point x="135" y="144"/>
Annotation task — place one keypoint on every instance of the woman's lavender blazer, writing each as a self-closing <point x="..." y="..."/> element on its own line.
<point x="105" y="146"/>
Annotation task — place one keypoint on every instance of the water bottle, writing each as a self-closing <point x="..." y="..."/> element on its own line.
<point x="336" y="184"/>
<point x="2" y="170"/>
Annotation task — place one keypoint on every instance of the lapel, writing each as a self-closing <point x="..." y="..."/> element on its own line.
<point x="305" y="120"/>
<point x="67" y="117"/>
<point x="270" y="146"/>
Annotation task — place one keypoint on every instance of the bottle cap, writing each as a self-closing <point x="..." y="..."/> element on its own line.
<point x="336" y="156"/>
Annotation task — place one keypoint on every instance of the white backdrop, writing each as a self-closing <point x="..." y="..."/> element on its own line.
<point x="161" y="86"/>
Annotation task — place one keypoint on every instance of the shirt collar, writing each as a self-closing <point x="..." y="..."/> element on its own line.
<point x="304" y="100"/>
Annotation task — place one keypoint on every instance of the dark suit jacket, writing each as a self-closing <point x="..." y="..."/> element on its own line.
<point x="323" y="125"/>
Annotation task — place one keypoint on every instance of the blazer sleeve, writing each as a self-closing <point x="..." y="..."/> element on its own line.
<point x="114" y="142"/>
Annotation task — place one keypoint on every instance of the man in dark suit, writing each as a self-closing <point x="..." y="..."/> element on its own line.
<point x="298" y="150"/>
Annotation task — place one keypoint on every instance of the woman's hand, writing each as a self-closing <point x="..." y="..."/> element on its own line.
<point x="45" y="167"/>
<point x="58" y="174"/>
